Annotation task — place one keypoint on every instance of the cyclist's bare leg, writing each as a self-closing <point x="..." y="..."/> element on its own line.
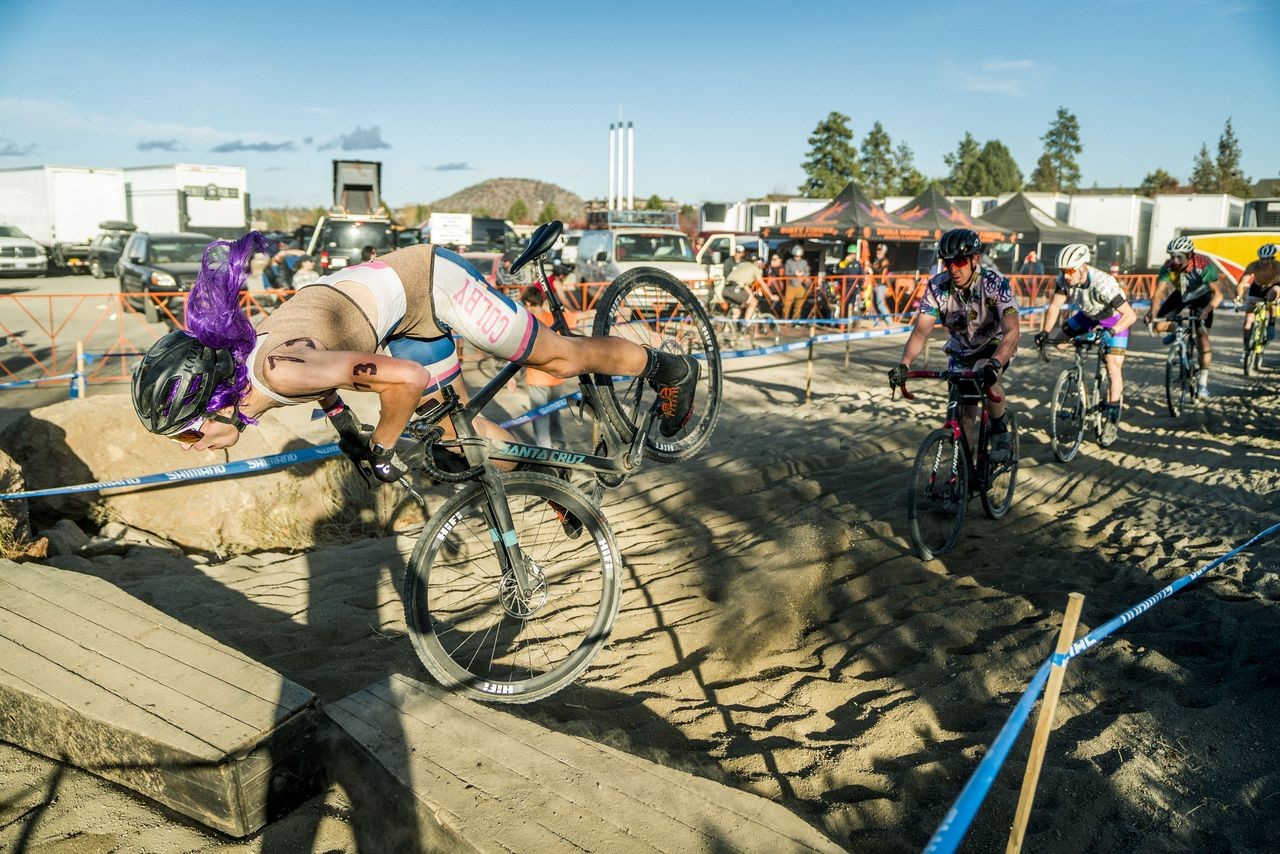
<point x="570" y="357"/>
<point x="1206" y="353"/>
<point x="1115" y="376"/>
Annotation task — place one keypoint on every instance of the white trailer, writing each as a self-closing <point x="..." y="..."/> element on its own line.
<point x="1174" y="213"/>
<point x="61" y="207"/>
<point x="1111" y="216"/>
<point x="185" y="197"/>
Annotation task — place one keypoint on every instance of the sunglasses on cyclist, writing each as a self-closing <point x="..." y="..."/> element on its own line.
<point x="962" y="261"/>
<point x="193" y="433"/>
<point x="1069" y="271"/>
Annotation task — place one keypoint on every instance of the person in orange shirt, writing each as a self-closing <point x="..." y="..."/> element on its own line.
<point x="548" y="430"/>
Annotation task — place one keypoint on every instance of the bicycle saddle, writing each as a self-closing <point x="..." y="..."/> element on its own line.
<point x="540" y="242"/>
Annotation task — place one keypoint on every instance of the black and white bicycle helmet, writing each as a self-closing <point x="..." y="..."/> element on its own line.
<point x="175" y="380"/>
<point x="1182" y="245"/>
<point x="958" y="243"/>
<point x="1073" y="255"/>
<point x="1267" y="250"/>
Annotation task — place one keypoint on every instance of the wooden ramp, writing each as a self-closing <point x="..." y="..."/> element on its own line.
<point x="497" y="782"/>
<point x="93" y="677"/>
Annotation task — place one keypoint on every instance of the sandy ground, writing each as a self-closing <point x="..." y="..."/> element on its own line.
<point x="778" y="635"/>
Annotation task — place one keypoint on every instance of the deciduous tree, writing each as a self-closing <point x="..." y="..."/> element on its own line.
<point x="518" y="212"/>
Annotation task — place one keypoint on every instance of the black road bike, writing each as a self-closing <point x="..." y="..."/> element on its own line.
<point x="1080" y="402"/>
<point x="948" y="472"/>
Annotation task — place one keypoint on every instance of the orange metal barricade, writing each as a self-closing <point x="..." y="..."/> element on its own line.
<point x="42" y="330"/>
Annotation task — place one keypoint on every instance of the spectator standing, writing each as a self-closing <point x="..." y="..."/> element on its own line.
<point x="549" y="429"/>
<point x="880" y="283"/>
<point x="797" y="272"/>
<point x="851" y="270"/>
<point x="1031" y="265"/>
<point x="367" y="254"/>
<point x="306" y="272"/>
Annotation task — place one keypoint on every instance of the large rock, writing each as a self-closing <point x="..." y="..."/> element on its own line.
<point x="99" y="438"/>
<point x="15" y="527"/>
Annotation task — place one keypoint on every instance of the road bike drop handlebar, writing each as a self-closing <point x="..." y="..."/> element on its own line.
<point x="948" y="376"/>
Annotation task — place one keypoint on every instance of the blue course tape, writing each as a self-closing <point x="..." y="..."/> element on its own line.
<point x="257" y="464"/>
<point x="955" y="824"/>
<point x="18" y="383"/>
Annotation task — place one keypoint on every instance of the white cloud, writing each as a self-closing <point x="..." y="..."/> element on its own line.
<point x="54" y="115"/>
<point x="1012" y="78"/>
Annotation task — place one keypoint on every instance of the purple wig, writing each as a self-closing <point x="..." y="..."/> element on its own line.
<point x="214" y="315"/>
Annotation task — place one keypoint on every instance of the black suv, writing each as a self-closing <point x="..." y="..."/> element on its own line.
<point x="106" y="248"/>
<point x="338" y="239"/>
<point x="159" y="262"/>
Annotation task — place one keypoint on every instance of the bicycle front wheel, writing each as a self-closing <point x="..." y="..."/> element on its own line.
<point x="1257" y="340"/>
<point x="939" y="494"/>
<point x="1066" y="424"/>
<point x="1175" y="383"/>
<point x="471" y="626"/>
<point x="1002" y="477"/>
<point x="655" y="309"/>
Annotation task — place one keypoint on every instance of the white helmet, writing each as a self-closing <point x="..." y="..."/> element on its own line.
<point x="1181" y="244"/>
<point x="1073" y="255"/>
<point x="797" y="251"/>
<point x="1267" y="251"/>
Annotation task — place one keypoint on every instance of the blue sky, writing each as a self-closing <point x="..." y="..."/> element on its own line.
<point x="723" y="95"/>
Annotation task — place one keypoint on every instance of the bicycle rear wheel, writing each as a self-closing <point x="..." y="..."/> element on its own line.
<point x="938" y="496"/>
<point x="473" y="630"/>
<point x="1002" y="477"/>
<point x="1066" y="424"/>
<point x="655" y="309"/>
<point x="1103" y="429"/>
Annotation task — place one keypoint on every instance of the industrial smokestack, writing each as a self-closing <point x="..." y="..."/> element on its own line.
<point x="622" y="152"/>
<point x="611" y="166"/>
<point x="631" y="167"/>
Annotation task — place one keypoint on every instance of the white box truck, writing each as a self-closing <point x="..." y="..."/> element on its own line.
<point x="1173" y="213"/>
<point x="61" y="207"/>
<point x="185" y="197"/>
<point x="1123" y="225"/>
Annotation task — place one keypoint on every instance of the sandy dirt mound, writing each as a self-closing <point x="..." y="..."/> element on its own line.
<point x="777" y="634"/>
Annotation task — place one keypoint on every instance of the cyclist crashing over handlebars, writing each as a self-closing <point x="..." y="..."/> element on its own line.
<point x="977" y="307"/>
<point x="203" y="386"/>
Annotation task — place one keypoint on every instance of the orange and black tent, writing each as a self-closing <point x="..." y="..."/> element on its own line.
<point x="850" y="215"/>
<point x="933" y="211"/>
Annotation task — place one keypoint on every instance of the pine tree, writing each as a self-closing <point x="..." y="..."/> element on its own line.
<point x="548" y="213"/>
<point x="654" y="203"/>
<point x="1204" y="174"/>
<point x="908" y="179"/>
<point x="1157" y="182"/>
<point x="518" y="212"/>
<point x="1043" y="179"/>
<point x="961" y="163"/>
<point x="876" y="162"/>
<point x="832" y="160"/>
<point x="1061" y="147"/>
<point x="995" y="171"/>
<point x="1231" y="178"/>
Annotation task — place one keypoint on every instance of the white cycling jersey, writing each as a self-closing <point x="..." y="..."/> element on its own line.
<point x="1099" y="297"/>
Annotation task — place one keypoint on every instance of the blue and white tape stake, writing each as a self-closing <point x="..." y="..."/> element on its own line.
<point x="253" y="466"/>
<point x="955" y="824"/>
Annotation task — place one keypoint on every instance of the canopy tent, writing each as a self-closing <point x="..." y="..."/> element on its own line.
<point x="1035" y="229"/>
<point x="934" y="211"/>
<point x="850" y="215"/>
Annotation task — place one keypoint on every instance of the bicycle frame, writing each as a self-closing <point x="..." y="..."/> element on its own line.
<point x="955" y="419"/>
<point x="480" y="452"/>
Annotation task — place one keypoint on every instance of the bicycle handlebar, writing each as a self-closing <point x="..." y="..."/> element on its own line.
<point x="949" y="376"/>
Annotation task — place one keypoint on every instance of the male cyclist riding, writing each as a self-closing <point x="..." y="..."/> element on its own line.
<point x="1262" y="281"/>
<point x="976" y="306"/>
<point x="1191" y="277"/>
<point x="1100" y="303"/>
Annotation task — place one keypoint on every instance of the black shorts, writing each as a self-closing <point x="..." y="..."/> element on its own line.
<point x="970" y="388"/>
<point x="1173" y="304"/>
